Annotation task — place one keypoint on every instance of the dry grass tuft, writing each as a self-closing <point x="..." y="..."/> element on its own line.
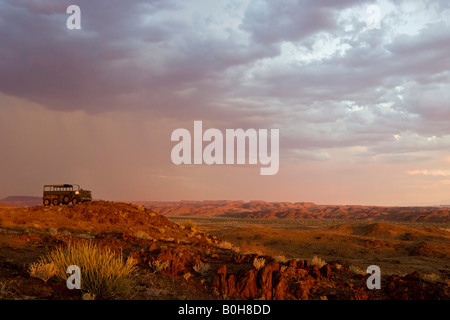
<point x="158" y="266"/>
<point x="201" y="268"/>
<point x="357" y="270"/>
<point x="42" y="270"/>
<point x="318" y="261"/>
<point x="88" y="296"/>
<point x="259" y="263"/>
<point x="186" y="276"/>
<point x="4" y="290"/>
<point x="142" y="235"/>
<point x="432" y="277"/>
<point x="188" y="224"/>
<point x="104" y="274"/>
<point x="225" y="245"/>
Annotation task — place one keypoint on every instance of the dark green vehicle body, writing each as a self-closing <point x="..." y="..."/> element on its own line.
<point x="65" y="193"/>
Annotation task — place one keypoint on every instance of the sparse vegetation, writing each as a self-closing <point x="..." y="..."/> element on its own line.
<point x="191" y="268"/>
<point x="236" y="249"/>
<point x="53" y="232"/>
<point x="318" y="261"/>
<point x="88" y="296"/>
<point x="357" y="270"/>
<point x="225" y="245"/>
<point x="281" y="259"/>
<point x="432" y="277"/>
<point x="158" y="266"/>
<point x="142" y="235"/>
<point x="259" y="263"/>
<point x="186" y="276"/>
<point x="201" y="268"/>
<point x="253" y="248"/>
<point x="42" y="270"/>
<point x="188" y="224"/>
<point x="4" y="290"/>
<point x="104" y="273"/>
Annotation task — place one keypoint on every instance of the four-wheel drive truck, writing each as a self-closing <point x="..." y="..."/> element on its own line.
<point x="65" y="193"/>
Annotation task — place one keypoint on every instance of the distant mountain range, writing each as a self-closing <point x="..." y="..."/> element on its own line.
<point x="22" y="201"/>
<point x="275" y="210"/>
<point x="297" y="210"/>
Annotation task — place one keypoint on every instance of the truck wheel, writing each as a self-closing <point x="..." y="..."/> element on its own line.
<point x="47" y="202"/>
<point x="66" y="200"/>
<point x="75" y="201"/>
<point x="55" y="202"/>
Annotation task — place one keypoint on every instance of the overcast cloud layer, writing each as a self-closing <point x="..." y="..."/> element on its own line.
<point x="363" y="113"/>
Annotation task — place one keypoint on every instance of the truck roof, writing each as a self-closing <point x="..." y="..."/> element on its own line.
<point x="60" y="185"/>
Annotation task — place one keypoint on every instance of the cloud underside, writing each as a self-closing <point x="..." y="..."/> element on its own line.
<point x="335" y="88"/>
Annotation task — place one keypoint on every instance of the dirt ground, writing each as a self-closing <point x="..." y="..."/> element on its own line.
<point x="241" y="258"/>
<point x="397" y="248"/>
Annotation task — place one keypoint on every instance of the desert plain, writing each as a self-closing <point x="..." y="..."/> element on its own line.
<point x="214" y="250"/>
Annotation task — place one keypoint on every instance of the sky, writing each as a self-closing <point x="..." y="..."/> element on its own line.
<point x="362" y="109"/>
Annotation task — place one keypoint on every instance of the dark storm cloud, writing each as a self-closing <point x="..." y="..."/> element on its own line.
<point x="124" y="51"/>
<point x="45" y="62"/>
<point x="63" y="69"/>
<point x="159" y="56"/>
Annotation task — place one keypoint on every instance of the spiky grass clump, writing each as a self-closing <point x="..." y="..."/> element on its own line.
<point x="357" y="270"/>
<point x="104" y="273"/>
<point x="158" y="266"/>
<point x="42" y="270"/>
<point x="259" y="263"/>
<point x="318" y="261"/>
